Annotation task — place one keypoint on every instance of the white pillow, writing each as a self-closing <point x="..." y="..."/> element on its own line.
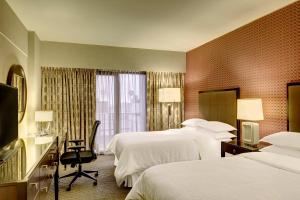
<point x="225" y="140"/>
<point x="281" y="151"/>
<point x="284" y="139"/>
<point x="223" y="135"/>
<point x="193" y="122"/>
<point x="217" y="126"/>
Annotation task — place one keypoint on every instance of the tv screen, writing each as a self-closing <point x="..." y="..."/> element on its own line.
<point x="8" y="114"/>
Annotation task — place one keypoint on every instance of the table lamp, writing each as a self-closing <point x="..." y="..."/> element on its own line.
<point x="250" y="110"/>
<point x="43" y="119"/>
<point x="169" y="96"/>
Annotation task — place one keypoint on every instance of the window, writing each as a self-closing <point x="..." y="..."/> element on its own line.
<point x="120" y="106"/>
<point x="132" y="115"/>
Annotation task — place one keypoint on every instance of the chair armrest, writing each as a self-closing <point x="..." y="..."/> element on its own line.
<point x="76" y="142"/>
<point x="76" y="148"/>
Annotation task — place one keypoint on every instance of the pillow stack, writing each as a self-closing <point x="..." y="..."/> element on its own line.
<point x="218" y="130"/>
<point x="194" y="122"/>
<point x="284" y="143"/>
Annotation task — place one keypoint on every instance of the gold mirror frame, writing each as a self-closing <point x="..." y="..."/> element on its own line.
<point x="16" y="78"/>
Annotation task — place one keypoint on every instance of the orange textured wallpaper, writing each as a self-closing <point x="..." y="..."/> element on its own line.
<point x="260" y="58"/>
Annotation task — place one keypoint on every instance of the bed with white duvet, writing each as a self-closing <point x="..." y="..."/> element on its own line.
<point x="136" y="152"/>
<point x="270" y="175"/>
<point x="258" y="175"/>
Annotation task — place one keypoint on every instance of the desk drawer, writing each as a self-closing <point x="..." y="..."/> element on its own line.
<point x="33" y="186"/>
<point x="47" y="168"/>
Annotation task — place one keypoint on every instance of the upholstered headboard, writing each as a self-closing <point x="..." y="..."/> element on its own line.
<point x="220" y="105"/>
<point x="293" y="98"/>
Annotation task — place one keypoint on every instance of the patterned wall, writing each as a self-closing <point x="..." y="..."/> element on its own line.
<point x="260" y="58"/>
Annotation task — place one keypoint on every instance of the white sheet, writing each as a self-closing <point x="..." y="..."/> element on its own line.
<point x="136" y="152"/>
<point x="251" y="176"/>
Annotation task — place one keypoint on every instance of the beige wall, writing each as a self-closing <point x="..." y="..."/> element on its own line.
<point x="12" y="27"/>
<point x="14" y="50"/>
<point x="55" y="54"/>
<point x="18" y="46"/>
<point x="34" y="79"/>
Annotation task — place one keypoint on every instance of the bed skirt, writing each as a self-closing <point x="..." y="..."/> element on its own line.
<point x="130" y="179"/>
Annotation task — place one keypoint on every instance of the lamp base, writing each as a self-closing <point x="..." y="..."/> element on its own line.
<point x="43" y="128"/>
<point x="250" y="132"/>
<point x="43" y="133"/>
<point x="169" y="114"/>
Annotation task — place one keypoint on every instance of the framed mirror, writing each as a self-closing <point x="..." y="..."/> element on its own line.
<point x="16" y="78"/>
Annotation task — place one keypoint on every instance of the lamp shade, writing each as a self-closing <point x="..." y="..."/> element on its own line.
<point x="250" y="109"/>
<point x="43" y="116"/>
<point x="169" y="95"/>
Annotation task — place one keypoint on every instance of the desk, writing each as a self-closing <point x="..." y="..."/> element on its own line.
<point x="27" y="169"/>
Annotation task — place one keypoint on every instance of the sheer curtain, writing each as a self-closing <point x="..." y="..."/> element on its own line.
<point x="121" y="105"/>
<point x="105" y="109"/>
<point x="132" y="117"/>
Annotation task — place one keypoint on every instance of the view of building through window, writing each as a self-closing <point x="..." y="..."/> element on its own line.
<point x="120" y="105"/>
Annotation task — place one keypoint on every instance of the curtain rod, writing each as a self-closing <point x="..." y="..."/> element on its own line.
<point x="100" y="71"/>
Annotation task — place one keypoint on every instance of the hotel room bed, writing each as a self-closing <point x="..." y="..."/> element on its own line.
<point x="258" y="175"/>
<point x="135" y="152"/>
<point x="138" y="151"/>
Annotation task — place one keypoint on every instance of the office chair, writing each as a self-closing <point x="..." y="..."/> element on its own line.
<point x="77" y="156"/>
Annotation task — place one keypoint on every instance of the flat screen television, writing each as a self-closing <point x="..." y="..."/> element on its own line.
<point x="8" y="114"/>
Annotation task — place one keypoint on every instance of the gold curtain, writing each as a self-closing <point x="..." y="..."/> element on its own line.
<point x="71" y="94"/>
<point x="157" y="113"/>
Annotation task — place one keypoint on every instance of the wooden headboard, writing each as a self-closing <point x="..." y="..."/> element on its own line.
<point x="220" y="105"/>
<point x="293" y="110"/>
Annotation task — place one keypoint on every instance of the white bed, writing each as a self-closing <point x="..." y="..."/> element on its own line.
<point x="136" y="152"/>
<point x="259" y="176"/>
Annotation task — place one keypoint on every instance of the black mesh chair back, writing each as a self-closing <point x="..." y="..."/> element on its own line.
<point x="93" y="137"/>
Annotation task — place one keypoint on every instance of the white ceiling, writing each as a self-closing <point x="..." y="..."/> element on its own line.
<point x="177" y="25"/>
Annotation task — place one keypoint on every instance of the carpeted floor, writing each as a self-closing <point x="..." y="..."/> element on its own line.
<point x="83" y="188"/>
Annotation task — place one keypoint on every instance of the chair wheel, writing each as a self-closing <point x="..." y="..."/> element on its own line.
<point x="95" y="183"/>
<point x="96" y="175"/>
<point x="68" y="188"/>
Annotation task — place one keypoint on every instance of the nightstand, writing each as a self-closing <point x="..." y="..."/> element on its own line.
<point x="237" y="147"/>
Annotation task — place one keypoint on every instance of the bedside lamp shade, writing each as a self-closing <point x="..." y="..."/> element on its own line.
<point x="250" y="109"/>
<point x="43" y="116"/>
<point x="169" y="95"/>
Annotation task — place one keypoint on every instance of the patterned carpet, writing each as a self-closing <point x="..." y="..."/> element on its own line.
<point x="83" y="188"/>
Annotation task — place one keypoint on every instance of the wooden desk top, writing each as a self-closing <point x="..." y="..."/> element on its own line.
<point x="23" y="156"/>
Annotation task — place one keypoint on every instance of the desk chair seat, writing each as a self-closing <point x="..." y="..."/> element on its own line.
<point x="70" y="157"/>
<point x="77" y="157"/>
